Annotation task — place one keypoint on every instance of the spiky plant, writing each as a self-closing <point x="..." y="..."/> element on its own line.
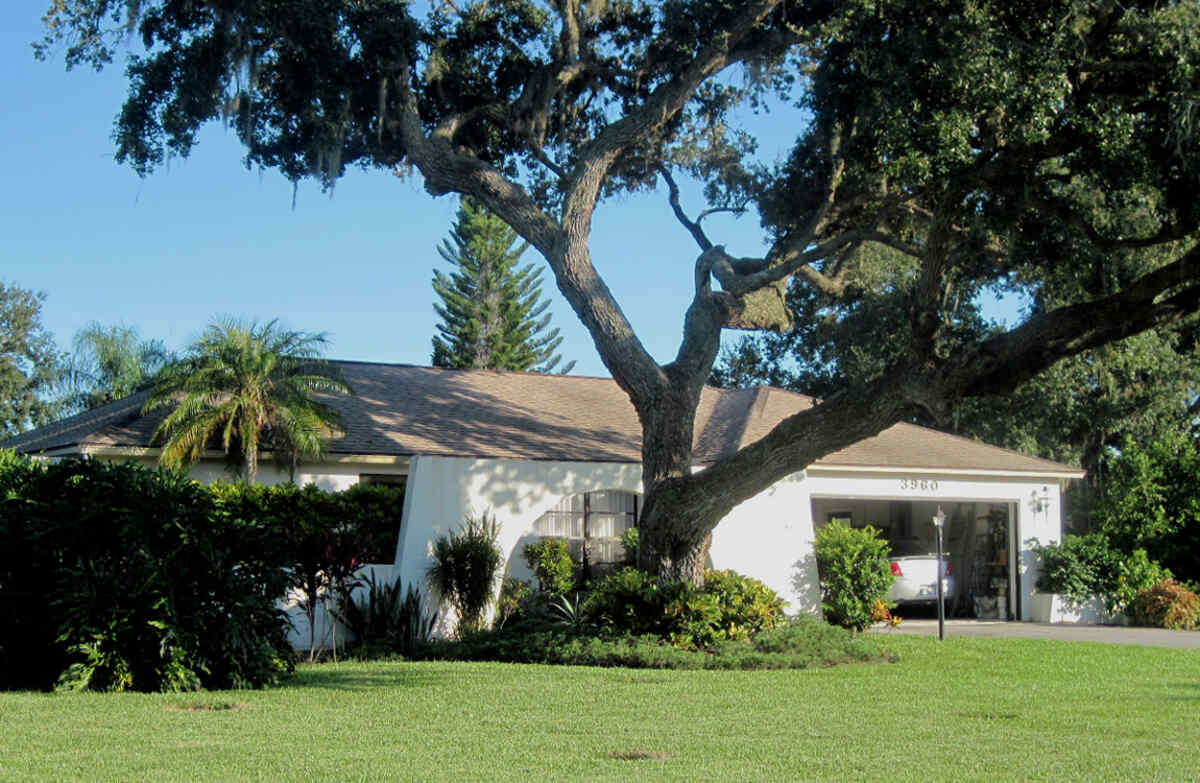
<point x="464" y="568"/>
<point x="251" y="387"/>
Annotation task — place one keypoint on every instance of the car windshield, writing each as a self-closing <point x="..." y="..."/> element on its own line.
<point x="910" y="547"/>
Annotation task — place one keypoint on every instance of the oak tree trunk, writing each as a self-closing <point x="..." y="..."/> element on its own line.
<point x="674" y="533"/>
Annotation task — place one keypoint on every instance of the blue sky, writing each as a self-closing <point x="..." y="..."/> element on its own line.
<point x="204" y="237"/>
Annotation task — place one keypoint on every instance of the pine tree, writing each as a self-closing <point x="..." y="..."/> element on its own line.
<point x="493" y="316"/>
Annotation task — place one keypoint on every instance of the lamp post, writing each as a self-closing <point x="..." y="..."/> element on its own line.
<point x="939" y="521"/>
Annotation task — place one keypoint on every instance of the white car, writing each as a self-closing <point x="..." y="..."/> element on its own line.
<point x="915" y="569"/>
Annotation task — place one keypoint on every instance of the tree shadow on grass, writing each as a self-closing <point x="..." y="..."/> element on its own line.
<point x="399" y="674"/>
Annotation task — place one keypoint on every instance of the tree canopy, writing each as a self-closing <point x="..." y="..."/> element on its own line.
<point x="492" y="312"/>
<point x="1151" y="501"/>
<point x="1048" y="146"/>
<point x="1143" y="386"/>
<point x="29" y="363"/>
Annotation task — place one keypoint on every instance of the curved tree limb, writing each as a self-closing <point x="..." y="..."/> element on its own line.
<point x="997" y="366"/>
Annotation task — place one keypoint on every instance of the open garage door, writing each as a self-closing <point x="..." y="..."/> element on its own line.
<point x="977" y="544"/>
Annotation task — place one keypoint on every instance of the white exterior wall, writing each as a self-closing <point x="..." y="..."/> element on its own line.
<point x="769" y="537"/>
<point x="442" y="491"/>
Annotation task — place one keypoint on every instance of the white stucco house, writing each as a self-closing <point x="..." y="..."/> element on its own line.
<point x="553" y="455"/>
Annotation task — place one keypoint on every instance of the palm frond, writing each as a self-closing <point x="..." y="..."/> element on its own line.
<point x="253" y="384"/>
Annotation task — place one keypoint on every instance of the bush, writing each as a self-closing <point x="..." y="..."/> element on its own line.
<point x="746" y="605"/>
<point x="1135" y="574"/>
<point x="132" y="579"/>
<point x="631" y="542"/>
<point x="1165" y="605"/>
<point x="551" y="562"/>
<point x="128" y="578"/>
<point x="1083" y="566"/>
<point x="855" y="573"/>
<point x="728" y="606"/>
<point x="318" y="536"/>
<point x="513" y="596"/>
<point x="1078" y="567"/>
<point x="803" y="642"/>
<point x="464" y="570"/>
<point x="388" y="618"/>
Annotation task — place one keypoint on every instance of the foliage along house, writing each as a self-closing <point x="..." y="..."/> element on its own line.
<point x="554" y="455"/>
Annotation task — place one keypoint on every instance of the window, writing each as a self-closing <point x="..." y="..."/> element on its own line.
<point x="383" y="479"/>
<point x="592" y="524"/>
<point x="845" y="517"/>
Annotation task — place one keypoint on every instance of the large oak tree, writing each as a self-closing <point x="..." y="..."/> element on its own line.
<point x="1011" y="141"/>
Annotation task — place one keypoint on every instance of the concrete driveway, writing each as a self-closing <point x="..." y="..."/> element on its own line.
<point x="1067" y="632"/>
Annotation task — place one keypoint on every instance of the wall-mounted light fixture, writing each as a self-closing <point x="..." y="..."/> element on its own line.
<point x="1039" y="502"/>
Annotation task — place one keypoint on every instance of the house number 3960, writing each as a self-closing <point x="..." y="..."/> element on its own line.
<point x="928" y="485"/>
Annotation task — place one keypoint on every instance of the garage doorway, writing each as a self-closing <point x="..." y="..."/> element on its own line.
<point x="978" y="541"/>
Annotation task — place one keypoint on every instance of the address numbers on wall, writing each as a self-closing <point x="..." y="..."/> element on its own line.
<point x="919" y="485"/>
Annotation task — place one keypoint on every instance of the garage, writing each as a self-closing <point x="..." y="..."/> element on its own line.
<point x="978" y="547"/>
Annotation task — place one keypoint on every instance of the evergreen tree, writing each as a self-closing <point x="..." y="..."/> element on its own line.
<point x="493" y="316"/>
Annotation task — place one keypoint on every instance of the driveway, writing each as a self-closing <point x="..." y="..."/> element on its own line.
<point x="1067" y="632"/>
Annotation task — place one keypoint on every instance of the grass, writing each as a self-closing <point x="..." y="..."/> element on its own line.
<point x="966" y="709"/>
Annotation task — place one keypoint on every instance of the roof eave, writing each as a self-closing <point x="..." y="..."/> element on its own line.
<point x="985" y="472"/>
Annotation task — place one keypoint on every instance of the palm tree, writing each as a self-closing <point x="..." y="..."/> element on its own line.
<point x="110" y="363"/>
<point x="252" y="385"/>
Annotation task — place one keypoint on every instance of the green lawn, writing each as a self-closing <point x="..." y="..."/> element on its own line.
<point x="967" y="709"/>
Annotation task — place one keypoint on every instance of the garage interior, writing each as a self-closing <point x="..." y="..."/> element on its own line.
<point x="977" y="540"/>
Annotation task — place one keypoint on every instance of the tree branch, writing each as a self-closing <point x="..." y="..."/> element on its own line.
<point x="997" y="366"/>
<point x="693" y="227"/>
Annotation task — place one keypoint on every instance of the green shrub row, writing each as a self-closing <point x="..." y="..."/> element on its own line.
<point x="799" y="643"/>
<point x="117" y="577"/>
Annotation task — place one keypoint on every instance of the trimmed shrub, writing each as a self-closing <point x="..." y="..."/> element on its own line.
<point x="145" y="582"/>
<point x="728" y="606"/>
<point x="114" y="576"/>
<point x="464" y="570"/>
<point x="551" y="562"/>
<point x="1165" y="605"/>
<point x="374" y="511"/>
<point x="322" y="538"/>
<point x="854" y="571"/>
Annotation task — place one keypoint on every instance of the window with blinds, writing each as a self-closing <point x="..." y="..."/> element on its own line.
<point x="592" y="524"/>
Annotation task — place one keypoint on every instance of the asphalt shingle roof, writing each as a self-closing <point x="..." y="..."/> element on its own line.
<point x="404" y="410"/>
